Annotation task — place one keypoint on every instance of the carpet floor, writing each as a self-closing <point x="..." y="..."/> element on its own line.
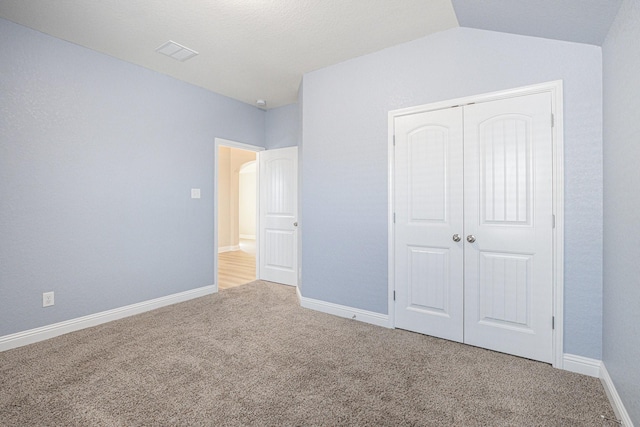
<point x="252" y="356"/>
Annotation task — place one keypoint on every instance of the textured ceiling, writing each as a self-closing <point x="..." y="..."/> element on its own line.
<point x="248" y="49"/>
<point x="259" y="49"/>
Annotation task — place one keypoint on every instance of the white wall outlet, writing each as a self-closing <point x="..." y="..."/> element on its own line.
<point x="47" y="299"/>
<point x="195" y="193"/>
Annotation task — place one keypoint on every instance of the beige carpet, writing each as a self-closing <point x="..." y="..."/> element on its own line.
<point x="251" y="356"/>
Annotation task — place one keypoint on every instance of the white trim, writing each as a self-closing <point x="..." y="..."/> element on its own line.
<point x="596" y="368"/>
<point x="248" y="236"/>
<point x="391" y="233"/>
<point x="236" y="144"/>
<point x="614" y="397"/>
<point x="557" y="108"/>
<point x="222" y="249"/>
<point x="581" y="365"/>
<point x="343" y="311"/>
<point x="233" y="144"/>
<point x="555" y="89"/>
<point x="31" y="336"/>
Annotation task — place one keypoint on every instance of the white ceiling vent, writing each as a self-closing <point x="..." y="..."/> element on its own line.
<point x="176" y="51"/>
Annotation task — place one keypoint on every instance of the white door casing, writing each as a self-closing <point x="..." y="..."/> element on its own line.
<point x="511" y="194"/>
<point x="428" y="211"/>
<point x="278" y="235"/>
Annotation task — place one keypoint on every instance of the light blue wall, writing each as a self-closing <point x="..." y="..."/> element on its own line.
<point x="345" y="159"/>
<point x="281" y="127"/>
<point x="97" y="158"/>
<point x="621" y="340"/>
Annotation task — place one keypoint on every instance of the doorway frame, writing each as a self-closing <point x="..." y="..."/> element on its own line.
<point x="221" y="142"/>
<point x="554" y="88"/>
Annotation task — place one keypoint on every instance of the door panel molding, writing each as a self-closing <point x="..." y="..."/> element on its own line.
<point x="553" y="88"/>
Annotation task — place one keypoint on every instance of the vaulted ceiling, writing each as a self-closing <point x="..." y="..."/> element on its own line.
<point x="259" y="49"/>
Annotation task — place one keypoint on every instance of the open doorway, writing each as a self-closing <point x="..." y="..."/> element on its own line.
<point x="237" y="209"/>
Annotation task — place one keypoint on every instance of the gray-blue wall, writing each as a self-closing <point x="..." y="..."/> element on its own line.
<point x="282" y="127"/>
<point x="621" y="340"/>
<point x="97" y="159"/>
<point x="345" y="107"/>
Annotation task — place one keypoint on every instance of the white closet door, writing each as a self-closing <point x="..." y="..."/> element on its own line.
<point x="508" y="211"/>
<point x="428" y="209"/>
<point x="493" y="189"/>
<point x="278" y="256"/>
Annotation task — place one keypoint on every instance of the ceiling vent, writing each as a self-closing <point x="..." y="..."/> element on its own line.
<point x="176" y="51"/>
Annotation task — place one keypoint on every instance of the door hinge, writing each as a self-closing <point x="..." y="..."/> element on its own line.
<point x="394" y="140"/>
<point x="553" y="120"/>
<point x="553" y="322"/>
<point x="553" y="221"/>
<point x="394" y="217"/>
<point x="394" y="295"/>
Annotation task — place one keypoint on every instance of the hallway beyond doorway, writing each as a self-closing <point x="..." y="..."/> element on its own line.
<point x="237" y="268"/>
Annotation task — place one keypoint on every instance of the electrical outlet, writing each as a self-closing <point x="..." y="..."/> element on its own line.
<point x="195" y="193"/>
<point x="47" y="299"/>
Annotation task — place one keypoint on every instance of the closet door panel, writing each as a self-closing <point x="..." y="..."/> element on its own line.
<point x="428" y="211"/>
<point x="509" y="213"/>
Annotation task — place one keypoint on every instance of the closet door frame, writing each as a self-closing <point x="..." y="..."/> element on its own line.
<point x="554" y="88"/>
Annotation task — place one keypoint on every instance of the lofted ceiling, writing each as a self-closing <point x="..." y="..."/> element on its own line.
<point x="581" y="21"/>
<point x="259" y="49"/>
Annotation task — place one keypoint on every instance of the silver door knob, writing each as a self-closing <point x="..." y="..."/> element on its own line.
<point x="456" y="237"/>
<point x="295" y="224"/>
<point x="471" y="238"/>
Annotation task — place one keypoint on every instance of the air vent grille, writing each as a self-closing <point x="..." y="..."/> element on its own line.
<point x="176" y="51"/>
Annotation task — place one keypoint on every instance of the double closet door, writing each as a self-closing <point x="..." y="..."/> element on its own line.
<point x="474" y="224"/>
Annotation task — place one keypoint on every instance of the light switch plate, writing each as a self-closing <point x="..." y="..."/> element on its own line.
<point x="195" y="193"/>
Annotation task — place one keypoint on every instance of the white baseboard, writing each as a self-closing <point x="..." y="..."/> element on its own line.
<point x="614" y="398"/>
<point x="595" y="368"/>
<point x="344" y="311"/>
<point x="581" y="365"/>
<point x="248" y="236"/>
<point x="228" y="248"/>
<point x="31" y="336"/>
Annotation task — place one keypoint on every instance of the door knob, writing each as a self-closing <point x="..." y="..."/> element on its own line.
<point x="456" y="237"/>
<point x="471" y="238"/>
<point x="295" y="224"/>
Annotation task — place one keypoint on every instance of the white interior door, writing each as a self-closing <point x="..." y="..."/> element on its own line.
<point x="429" y="218"/>
<point x="492" y="188"/>
<point x="509" y="213"/>
<point x="278" y="215"/>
